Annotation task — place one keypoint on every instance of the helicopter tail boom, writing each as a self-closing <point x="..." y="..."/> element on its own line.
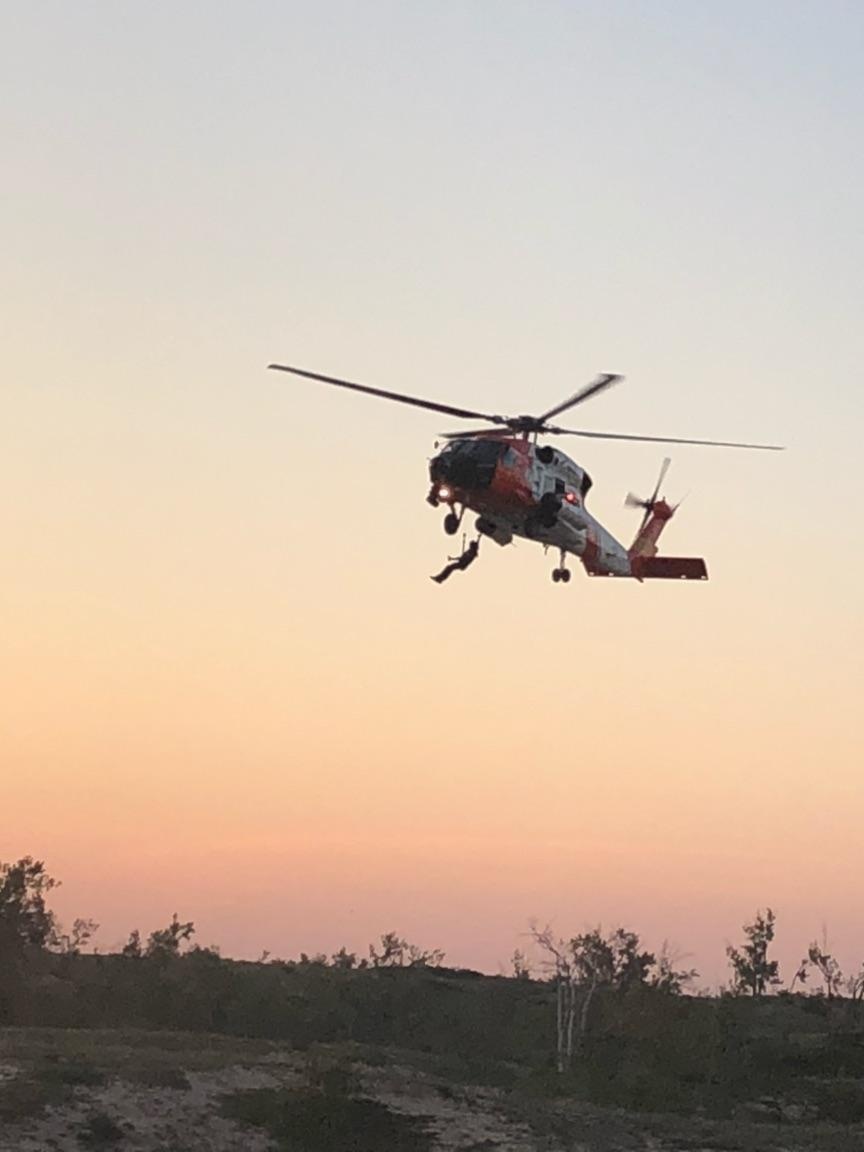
<point x="658" y="515"/>
<point x="645" y="564"/>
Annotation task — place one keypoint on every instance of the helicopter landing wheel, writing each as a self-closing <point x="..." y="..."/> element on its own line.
<point x="451" y="523"/>
<point x="562" y="573"/>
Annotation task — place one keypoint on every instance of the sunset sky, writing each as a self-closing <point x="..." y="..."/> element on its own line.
<point x="227" y="685"/>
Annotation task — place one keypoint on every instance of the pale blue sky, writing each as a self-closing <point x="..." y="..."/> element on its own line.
<point x="486" y="203"/>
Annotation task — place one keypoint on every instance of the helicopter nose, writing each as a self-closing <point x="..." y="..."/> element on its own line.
<point x="439" y="474"/>
<point x="459" y="471"/>
<point x="450" y="470"/>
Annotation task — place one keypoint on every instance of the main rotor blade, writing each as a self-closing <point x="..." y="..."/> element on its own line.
<point x="465" y="413"/>
<point x="599" y="385"/>
<point x="476" y="433"/>
<point x="662" y="439"/>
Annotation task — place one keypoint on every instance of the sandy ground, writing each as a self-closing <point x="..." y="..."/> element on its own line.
<point x="188" y="1120"/>
<point x="152" y="1119"/>
<point x="466" y="1121"/>
<point x="186" y="1117"/>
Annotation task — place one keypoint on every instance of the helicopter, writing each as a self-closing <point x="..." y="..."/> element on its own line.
<point x="519" y="487"/>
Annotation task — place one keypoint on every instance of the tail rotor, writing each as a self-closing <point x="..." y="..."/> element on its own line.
<point x="633" y="501"/>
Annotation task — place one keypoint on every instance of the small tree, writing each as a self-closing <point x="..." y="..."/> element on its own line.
<point x="24" y="916"/>
<point x="561" y="962"/>
<point x="521" y="967"/>
<point x="392" y="954"/>
<point x="166" y="942"/>
<point x="855" y="988"/>
<point x="666" y="977"/>
<point x="752" y="972"/>
<point x="132" y="948"/>
<point x="344" y="959"/>
<point x="398" y="953"/>
<point x="630" y="966"/>
<point x="593" y="960"/>
<point x="423" y="958"/>
<point x="800" y="976"/>
<point x="827" y="967"/>
<point x="72" y="943"/>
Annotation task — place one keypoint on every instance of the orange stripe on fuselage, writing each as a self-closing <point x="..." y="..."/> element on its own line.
<point x="511" y="485"/>
<point x="511" y="490"/>
<point x="591" y="555"/>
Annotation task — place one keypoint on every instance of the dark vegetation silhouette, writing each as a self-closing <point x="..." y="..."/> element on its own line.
<point x="752" y="972"/>
<point x="601" y="1018"/>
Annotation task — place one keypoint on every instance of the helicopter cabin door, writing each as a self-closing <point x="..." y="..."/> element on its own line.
<point x="545" y="481"/>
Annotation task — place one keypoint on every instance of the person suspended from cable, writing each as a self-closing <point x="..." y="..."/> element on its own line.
<point x="459" y="563"/>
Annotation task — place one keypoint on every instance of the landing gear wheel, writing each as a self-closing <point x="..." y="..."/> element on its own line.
<point x="562" y="573"/>
<point x="451" y="523"/>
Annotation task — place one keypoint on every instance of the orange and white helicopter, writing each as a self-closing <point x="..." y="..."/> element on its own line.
<point x="521" y="488"/>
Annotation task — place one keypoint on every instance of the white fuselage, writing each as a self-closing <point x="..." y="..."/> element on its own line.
<point x="555" y="478"/>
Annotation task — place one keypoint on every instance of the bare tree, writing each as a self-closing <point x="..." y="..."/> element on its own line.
<point x="579" y="966"/>
<point x="826" y="965"/>
<point x="666" y="977"/>
<point x="559" y="961"/>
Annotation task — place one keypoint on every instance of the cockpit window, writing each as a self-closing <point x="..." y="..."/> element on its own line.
<point x="468" y="463"/>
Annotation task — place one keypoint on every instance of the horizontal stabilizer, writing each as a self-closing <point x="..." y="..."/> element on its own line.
<point x="669" y="568"/>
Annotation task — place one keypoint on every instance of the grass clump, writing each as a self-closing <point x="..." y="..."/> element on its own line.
<point x="158" y="1076"/>
<point x="72" y="1073"/>
<point x="24" y="1099"/>
<point x="45" y="1083"/>
<point x="326" y="1115"/>
<point x="305" y="1120"/>
<point x="100" y="1131"/>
